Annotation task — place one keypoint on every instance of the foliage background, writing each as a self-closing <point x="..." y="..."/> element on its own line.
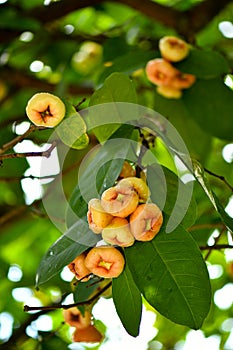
<point x="47" y="35"/>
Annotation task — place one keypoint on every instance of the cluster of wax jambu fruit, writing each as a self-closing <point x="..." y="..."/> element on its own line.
<point x="161" y="72"/>
<point x="122" y="215"/>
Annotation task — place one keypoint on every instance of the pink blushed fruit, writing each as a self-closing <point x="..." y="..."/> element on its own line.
<point x="118" y="233"/>
<point x="105" y="261"/>
<point x="79" y="269"/>
<point x="45" y="109"/>
<point x="146" y="221"/>
<point x="160" y="72"/>
<point x="119" y="201"/>
<point x="182" y="81"/>
<point x="89" y="334"/>
<point x="127" y="170"/>
<point x="74" y="318"/>
<point x="137" y="184"/>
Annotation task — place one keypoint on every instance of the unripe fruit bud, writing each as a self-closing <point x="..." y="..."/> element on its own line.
<point x="118" y="233"/>
<point x="44" y="109"/>
<point x="127" y="170"/>
<point x="119" y="201"/>
<point x="160" y="71"/>
<point x="97" y="216"/>
<point x="88" y="57"/>
<point x="169" y="92"/>
<point x="136" y="184"/>
<point x="106" y="262"/>
<point x="74" y="318"/>
<point x="146" y="221"/>
<point x="173" y="49"/>
<point x="88" y="334"/>
<point x="79" y="269"/>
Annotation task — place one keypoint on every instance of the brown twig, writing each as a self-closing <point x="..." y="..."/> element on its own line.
<point x="216" y="247"/>
<point x="12" y="214"/>
<point x="211" y="248"/>
<point x="220" y="177"/>
<point x="22" y="79"/>
<point x="19" y="138"/>
<point x="65" y="307"/>
<point x="46" y="153"/>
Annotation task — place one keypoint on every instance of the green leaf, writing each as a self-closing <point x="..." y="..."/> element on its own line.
<point x="128" y="63"/>
<point x="204" y="64"/>
<point x="106" y="119"/>
<point x="72" y="131"/>
<point x="84" y="290"/>
<point x="76" y="240"/>
<point x="203" y="181"/>
<point x="98" y="173"/>
<point x="165" y="186"/>
<point x="172" y="276"/>
<point x="210" y="104"/>
<point x="128" y="301"/>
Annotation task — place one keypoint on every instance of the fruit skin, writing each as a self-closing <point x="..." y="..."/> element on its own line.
<point x="96" y="216"/>
<point x="182" y="81"/>
<point x="118" y="233"/>
<point x="79" y="269"/>
<point x="169" y="92"/>
<point x="45" y="109"/>
<point x="87" y="58"/>
<point x="74" y="318"/>
<point x="138" y="185"/>
<point x="173" y="49"/>
<point x="127" y="170"/>
<point x="105" y="261"/>
<point x="160" y="72"/>
<point x="119" y="200"/>
<point x="146" y="221"/>
<point x="88" y="334"/>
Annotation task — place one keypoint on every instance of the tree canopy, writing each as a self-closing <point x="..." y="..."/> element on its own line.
<point x="90" y="58"/>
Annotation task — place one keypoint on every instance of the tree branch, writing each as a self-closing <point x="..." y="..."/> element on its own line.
<point x="220" y="177"/>
<point x="186" y="23"/>
<point x="12" y="214"/>
<point x="19" y="138"/>
<point x="216" y="247"/>
<point x="46" y="153"/>
<point x="22" y="79"/>
<point x="65" y="307"/>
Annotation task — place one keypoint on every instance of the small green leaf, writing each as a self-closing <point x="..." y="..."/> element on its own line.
<point x="204" y="64"/>
<point x="72" y="131"/>
<point x="84" y="290"/>
<point x="165" y="186"/>
<point x="98" y="173"/>
<point x="128" y="63"/>
<point x="107" y="118"/>
<point x="76" y="240"/>
<point x="203" y="181"/>
<point x="172" y="276"/>
<point x="128" y="301"/>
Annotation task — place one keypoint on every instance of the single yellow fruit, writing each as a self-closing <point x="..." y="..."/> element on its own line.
<point x="173" y="49"/>
<point x="169" y="92"/>
<point x="45" y="109"/>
